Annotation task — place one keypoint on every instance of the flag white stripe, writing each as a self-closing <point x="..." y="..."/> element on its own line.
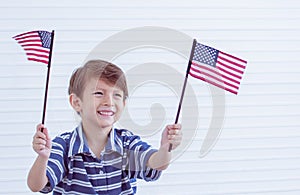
<point x="32" y="43"/>
<point x="212" y="76"/>
<point x="236" y="75"/>
<point x="231" y="65"/>
<point x="222" y="75"/>
<point x="214" y="82"/>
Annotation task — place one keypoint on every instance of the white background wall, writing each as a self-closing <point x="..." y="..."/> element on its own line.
<point x="258" y="151"/>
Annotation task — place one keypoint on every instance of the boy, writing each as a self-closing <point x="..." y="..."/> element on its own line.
<point x="96" y="158"/>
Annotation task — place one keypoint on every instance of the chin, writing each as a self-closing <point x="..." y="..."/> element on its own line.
<point x="105" y="126"/>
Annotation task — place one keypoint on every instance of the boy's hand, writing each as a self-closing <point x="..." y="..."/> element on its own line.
<point x="171" y="135"/>
<point x="41" y="143"/>
<point x="160" y="160"/>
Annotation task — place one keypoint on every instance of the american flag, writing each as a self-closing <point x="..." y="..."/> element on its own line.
<point x="36" y="45"/>
<point x="218" y="68"/>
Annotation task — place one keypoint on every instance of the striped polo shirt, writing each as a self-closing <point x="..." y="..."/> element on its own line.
<point x="74" y="169"/>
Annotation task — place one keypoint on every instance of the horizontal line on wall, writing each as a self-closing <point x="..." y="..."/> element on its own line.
<point x="116" y="30"/>
<point x="170" y="6"/>
<point x="200" y="171"/>
<point x="152" y="18"/>
<point x="277" y="158"/>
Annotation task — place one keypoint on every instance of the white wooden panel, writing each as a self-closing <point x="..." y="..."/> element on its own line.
<point x="258" y="150"/>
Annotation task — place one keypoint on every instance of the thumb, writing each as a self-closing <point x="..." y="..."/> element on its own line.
<point x="164" y="138"/>
<point x="46" y="132"/>
<point x="48" y="139"/>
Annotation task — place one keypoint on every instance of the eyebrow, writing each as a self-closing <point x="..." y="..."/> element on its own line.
<point x="114" y="90"/>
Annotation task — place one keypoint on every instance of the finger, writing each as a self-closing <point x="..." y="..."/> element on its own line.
<point x="174" y="126"/>
<point x="172" y="137"/>
<point x="175" y="135"/>
<point x="39" y="141"/>
<point x="40" y="135"/>
<point x="174" y="132"/>
<point x="39" y="127"/>
<point x="46" y="132"/>
<point x="39" y="147"/>
<point x="175" y="139"/>
<point x="42" y="129"/>
<point x="177" y="126"/>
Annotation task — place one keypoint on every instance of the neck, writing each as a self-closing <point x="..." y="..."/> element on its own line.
<point x="96" y="138"/>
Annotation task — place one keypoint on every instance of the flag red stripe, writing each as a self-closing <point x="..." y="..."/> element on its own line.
<point x="236" y="58"/>
<point x="26" y="37"/>
<point x="37" y="55"/>
<point x="31" y="45"/>
<point x="217" y="68"/>
<point x="38" y="50"/>
<point x="229" y="67"/>
<point x="218" y="73"/>
<point x="231" y="62"/>
<point x="215" y="78"/>
<point x="213" y="83"/>
<point x="26" y="33"/>
<point x="38" y="60"/>
<point x="230" y="73"/>
<point x="29" y="41"/>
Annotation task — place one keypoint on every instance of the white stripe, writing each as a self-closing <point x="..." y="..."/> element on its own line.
<point x="29" y="40"/>
<point x="53" y="176"/>
<point x="58" y="152"/>
<point x="213" y="74"/>
<point x="32" y="49"/>
<point x="232" y="59"/>
<point x="37" y="57"/>
<point x="58" y="164"/>
<point x="213" y="80"/>
<point x="39" y="47"/>
<point x="18" y="37"/>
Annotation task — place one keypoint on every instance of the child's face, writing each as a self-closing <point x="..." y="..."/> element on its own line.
<point x="102" y="104"/>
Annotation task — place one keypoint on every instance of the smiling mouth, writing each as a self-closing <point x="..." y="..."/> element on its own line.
<point x="106" y="113"/>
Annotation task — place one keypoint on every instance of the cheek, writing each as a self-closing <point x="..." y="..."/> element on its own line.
<point x="90" y="105"/>
<point x="120" y="108"/>
<point x="94" y="101"/>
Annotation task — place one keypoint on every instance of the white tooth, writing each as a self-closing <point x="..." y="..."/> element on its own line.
<point x="106" y="113"/>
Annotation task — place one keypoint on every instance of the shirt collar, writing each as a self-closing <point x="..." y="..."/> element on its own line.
<point x="78" y="142"/>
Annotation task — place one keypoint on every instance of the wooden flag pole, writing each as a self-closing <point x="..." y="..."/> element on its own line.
<point x="184" y="85"/>
<point x="47" y="79"/>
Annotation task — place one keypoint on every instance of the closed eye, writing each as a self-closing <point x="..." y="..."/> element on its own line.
<point x="118" y="95"/>
<point x="98" y="93"/>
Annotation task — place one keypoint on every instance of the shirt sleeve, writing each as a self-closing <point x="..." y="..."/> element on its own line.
<point x="56" y="164"/>
<point x="138" y="153"/>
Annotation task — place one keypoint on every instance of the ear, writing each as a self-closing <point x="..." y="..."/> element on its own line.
<point x="124" y="102"/>
<point x="75" y="102"/>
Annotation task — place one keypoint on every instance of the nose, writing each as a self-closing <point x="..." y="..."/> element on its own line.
<point x="108" y="100"/>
